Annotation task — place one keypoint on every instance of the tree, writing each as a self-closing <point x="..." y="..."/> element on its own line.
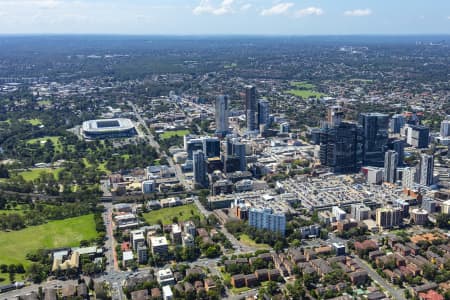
<point x="37" y="272"/>
<point x="4" y="268"/>
<point x="429" y="272"/>
<point x="213" y="251"/>
<point x="212" y="220"/>
<point x="278" y="246"/>
<point x="443" y="221"/>
<point x="296" y="290"/>
<point x="4" y="173"/>
<point x="20" y="269"/>
<point x="12" y="268"/>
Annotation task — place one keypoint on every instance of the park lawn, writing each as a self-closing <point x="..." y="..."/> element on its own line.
<point x="246" y="240"/>
<point x="86" y="162"/>
<point x="305" y="94"/>
<point x="304" y="90"/>
<point x="232" y="65"/>
<point x="44" y="102"/>
<point x="102" y="167"/>
<point x="166" y="215"/>
<point x="35" y="122"/>
<point x="14" y="245"/>
<point x="55" y="140"/>
<point x="169" y="134"/>
<point x="34" y="174"/>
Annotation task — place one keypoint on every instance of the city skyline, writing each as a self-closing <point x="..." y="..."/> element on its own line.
<point x="223" y="17"/>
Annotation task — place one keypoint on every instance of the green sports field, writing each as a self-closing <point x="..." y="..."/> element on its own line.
<point x="34" y="174"/>
<point x="169" y="134"/>
<point x="14" y="245"/>
<point x="304" y="90"/>
<point x="183" y="213"/>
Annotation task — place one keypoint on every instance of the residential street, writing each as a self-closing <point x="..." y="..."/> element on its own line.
<point x="381" y="281"/>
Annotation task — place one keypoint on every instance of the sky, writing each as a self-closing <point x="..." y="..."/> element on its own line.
<point x="222" y="17"/>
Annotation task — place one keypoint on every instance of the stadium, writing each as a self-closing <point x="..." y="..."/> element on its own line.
<point x="108" y="128"/>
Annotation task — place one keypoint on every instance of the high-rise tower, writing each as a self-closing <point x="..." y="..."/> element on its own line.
<point x="251" y="108"/>
<point x="375" y="132"/>
<point x="199" y="164"/>
<point x="341" y="147"/>
<point x="390" y="165"/>
<point x="221" y="115"/>
<point x="426" y="169"/>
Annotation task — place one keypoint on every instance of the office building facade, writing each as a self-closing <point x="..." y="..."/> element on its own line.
<point x="418" y="136"/>
<point x="285" y="127"/>
<point x="341" y="147"/>
<point x="396" y="123"/>
<point x="399" y="147"/>
<point x="211" y="147"/>
<point x="445" y="128"/>
<point x="263" y="113"/>
<point x="409" y="177"/>
<point x="239" y="151"/>
<point x="335" y="115"/>
<point x="375" y="132"/>
<point x="148" y="186"/>
<point x="191" y="145"/>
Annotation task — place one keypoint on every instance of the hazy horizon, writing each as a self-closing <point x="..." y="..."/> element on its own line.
<point x="224" y="17"/>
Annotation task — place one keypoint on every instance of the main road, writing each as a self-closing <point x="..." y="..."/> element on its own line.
<point x="141" y="121"/>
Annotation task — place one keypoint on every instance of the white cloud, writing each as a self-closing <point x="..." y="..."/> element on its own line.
<point x="309" y="11"/>
<point x="279" y="9"/>
<point x="246" y="7"/>
<point x="358" y="12"/>
<point x="205" y="7"/>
